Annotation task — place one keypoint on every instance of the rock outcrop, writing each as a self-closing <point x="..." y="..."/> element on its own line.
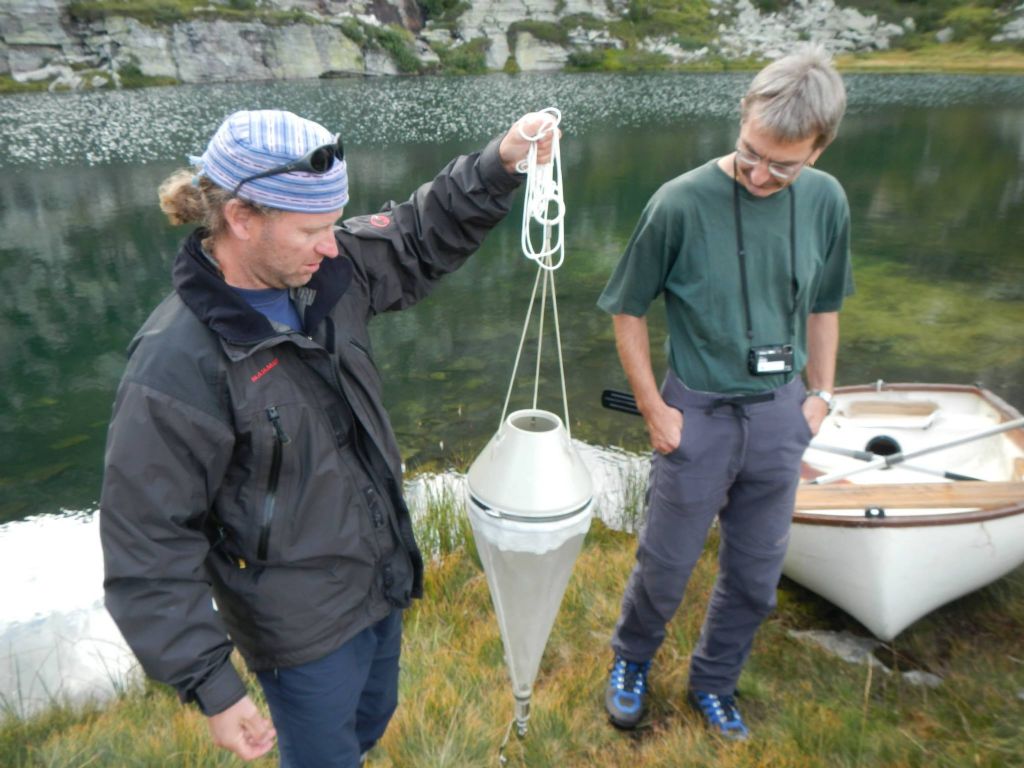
<point x="1013" y="30"/>
<point x="492" y="19"/>
<point x="752" y="34"/>
<point x="42" y="40"/>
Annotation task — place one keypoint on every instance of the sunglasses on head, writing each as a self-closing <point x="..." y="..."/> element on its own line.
<point x="317" y="160"/>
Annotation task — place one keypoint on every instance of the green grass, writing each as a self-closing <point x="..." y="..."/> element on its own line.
<point x="444" y="12"/>
<point x="442" y="527"/>
<point x="689" y="22"/>
<point x="922" y="56"/>
<point x="132" y="77"/>
<point x="806" y="708"/>
<point x="9" y="85"/>
<point x="398" y="42"/>
<point x="928" y="15"/>
<point x="546" y="31"/>
<point x="158" y="12"/>
<point x="470" y="58"/>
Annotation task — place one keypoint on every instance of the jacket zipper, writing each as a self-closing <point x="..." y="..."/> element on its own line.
<point x="280" y="439"/>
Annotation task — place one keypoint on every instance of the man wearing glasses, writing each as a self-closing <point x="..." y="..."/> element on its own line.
<point x="751" y="251"/>
<point x="250" y="459"/>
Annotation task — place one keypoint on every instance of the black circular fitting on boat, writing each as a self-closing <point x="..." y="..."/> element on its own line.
<point x="883" y="445"/>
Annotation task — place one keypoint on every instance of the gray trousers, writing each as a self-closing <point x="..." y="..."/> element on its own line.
<point x="742" y="463"/>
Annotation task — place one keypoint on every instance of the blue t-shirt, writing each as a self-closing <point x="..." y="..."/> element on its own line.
<point x="274" y="303"/>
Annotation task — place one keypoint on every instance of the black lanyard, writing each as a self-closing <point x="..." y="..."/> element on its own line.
<point x="741" y="254"/>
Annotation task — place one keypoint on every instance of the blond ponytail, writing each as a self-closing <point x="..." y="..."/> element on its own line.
<point x="187" y="201"/>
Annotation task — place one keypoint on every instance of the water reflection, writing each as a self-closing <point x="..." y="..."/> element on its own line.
<point x="934" y="168"/>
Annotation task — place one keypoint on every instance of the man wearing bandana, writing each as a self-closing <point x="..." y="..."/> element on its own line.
<point x="252" y="494"/>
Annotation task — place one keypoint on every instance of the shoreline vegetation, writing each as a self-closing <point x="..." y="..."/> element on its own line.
<point x="948" y="58"/>
<point x="107" y="44"/>
<point x="806" y="707"/>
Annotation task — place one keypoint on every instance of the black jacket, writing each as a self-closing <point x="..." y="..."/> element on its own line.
<point x="257" y="465"/>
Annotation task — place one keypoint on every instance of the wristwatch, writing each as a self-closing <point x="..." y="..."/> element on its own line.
<point x="823" y="394"/>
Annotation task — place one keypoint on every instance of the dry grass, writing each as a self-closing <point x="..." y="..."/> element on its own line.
<point x="949" y="58"/>
<point x="805" y="707"/>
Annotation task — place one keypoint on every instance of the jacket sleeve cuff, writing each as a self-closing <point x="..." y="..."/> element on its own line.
<point x="492" y="171"/>
<point x="219" y="691"/>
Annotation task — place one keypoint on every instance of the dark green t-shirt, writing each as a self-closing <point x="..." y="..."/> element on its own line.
<point x="684" y="246"/>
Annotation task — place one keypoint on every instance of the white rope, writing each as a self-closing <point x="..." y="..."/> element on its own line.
<point x="543" y="204"/>
<point x="519" y="352"/>
<point x="543" y="193"/>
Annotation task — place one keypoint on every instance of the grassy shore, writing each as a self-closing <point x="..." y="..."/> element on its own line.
<point x="806" y="707"/>
<point x="951" y="58"/>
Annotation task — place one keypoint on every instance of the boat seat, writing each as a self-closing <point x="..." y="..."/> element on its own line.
<point x="912" y="414"/>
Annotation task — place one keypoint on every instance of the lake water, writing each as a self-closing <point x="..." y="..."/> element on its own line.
<point x="933" y="166"/>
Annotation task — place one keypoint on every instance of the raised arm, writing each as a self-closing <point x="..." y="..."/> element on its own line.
<point x="401" y="252"/>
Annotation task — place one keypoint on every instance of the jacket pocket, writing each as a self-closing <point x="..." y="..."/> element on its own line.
<point x="292" y="495"/>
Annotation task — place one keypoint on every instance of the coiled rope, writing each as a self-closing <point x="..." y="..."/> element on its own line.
<point x="543" y="207"/>
<point x="543" y="204"/>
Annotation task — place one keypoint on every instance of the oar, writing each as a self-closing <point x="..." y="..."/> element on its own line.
<point x="869" y="456"/>
<point x="899" y="458"/>
<point x="616" y="400"/>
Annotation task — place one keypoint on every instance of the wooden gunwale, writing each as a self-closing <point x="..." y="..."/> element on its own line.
<point x="1006" y="411"/>
<point x="907" y="521"/>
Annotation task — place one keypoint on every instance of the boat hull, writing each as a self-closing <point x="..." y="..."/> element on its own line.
<point x="889" y="567"/>
<point x="889" y="577"/>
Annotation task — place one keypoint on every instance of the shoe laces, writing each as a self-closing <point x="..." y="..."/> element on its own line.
<point x="721" y="711"/>
<point x="630" y="676"/>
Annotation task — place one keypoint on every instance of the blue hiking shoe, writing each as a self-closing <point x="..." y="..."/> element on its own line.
<point x="720" y="715"/>
<point x="624" y="698"/>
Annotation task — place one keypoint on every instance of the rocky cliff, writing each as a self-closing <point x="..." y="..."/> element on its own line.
<point x="102" y="43"/>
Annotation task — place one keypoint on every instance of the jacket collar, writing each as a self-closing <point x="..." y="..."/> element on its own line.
<point x="201" y="287"/>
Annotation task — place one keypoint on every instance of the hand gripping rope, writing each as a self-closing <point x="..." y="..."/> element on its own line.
<point x="543" y="207"/>
<point x="543" y="192"/>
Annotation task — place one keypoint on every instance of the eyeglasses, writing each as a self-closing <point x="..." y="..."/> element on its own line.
<point x="318" y="160"/>
<point x="781" y="171"/>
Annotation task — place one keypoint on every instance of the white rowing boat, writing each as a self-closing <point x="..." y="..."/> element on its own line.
<point x="889" y="544"/>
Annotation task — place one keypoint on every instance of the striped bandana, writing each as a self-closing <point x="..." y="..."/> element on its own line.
<point x="249" y="142"/>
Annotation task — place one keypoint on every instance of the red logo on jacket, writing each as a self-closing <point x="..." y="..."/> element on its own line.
<point x="379" y="220"/>
<point x="264" y="370"/>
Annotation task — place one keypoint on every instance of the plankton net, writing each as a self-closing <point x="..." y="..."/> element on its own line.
<point x="530" y="496"/>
